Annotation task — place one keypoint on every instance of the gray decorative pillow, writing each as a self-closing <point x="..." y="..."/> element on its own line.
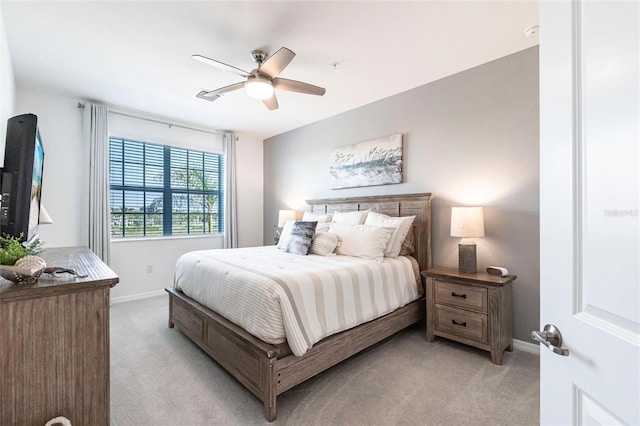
<point x="301" y="236"/>
<point x="408" y="246"/>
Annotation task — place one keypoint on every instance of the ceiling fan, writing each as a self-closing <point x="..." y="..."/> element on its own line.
<point x="260" y="82"/>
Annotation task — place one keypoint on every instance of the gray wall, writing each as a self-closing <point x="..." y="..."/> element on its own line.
<point x="470" y="139"/>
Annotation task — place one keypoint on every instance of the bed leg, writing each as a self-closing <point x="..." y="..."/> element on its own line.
<point x="269" y="368"/>
<point x="170" y="312"/>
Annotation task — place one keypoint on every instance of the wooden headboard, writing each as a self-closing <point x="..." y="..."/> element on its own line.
<point x="391" y="205"/>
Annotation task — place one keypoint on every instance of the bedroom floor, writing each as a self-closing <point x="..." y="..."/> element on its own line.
<point x="158" y="377"/>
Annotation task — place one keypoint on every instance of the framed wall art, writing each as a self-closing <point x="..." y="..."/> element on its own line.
<point x="369" y="163"/>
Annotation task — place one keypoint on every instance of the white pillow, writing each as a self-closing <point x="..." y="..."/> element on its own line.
<point x="285" y="234"/>
<point x="401" y="225"/>
<point x="320" y="218"/>
<point x="324" y="243"/>
<point x="352" y="218"/>
<point x="366" y="241"/>
<point x="323" y="227"/>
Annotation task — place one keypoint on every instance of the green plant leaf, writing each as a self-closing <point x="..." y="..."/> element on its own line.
<point x="12" y="249"/>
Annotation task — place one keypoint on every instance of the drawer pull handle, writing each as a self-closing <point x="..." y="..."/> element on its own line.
<point x="462" y="323"/>
<point x="454" y="294"/>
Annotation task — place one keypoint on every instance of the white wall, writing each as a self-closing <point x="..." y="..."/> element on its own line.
<point x="145" y="267"/>
<point x="65" y="195"/>
<point x="7" y="86"/>
<point x="65" y="179"/>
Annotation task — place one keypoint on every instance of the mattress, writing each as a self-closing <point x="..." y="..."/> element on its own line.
<point x="278" y="296"/>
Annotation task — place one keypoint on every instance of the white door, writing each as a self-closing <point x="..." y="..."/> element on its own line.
<point x="589" y="210"/>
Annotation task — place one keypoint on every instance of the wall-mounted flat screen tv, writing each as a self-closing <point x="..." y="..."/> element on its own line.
<point x="22" y="178"/>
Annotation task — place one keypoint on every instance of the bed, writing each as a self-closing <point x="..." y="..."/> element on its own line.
<point x="269" y="369"/>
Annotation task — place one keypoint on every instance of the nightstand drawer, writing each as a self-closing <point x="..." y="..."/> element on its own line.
<point x="468" y="325"/>
<point x="464" y="296"/>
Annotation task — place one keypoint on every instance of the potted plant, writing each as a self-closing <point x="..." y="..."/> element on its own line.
<point x="19" y="262"/>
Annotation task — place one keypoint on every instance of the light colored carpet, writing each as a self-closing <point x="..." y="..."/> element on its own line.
<point x="158" y="377"/>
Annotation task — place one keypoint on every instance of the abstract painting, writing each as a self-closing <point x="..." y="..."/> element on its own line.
<point x="368" y="163"/>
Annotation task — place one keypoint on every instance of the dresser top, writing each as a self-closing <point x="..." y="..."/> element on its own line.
<point x="80" y="259"/>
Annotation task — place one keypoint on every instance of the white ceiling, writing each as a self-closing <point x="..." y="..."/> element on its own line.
<point x="137" y="54"/>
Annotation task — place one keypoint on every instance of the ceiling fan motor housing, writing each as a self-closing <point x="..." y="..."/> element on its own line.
<point x="259" y="56"/>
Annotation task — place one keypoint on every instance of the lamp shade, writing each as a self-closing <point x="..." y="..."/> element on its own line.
<point x="467" y="222"/>
<point x="44" y="217"/>
<point x="284" y="215"/>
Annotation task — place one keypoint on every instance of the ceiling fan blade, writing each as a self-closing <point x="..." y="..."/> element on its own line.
<point x="297" y="86"/>
<point x="221" y="65"/>
<point x="212" y="95"/>
<point x="271" y="103"/>
<point x="274" y="64"/>
<point x="207" y="96"/>
<point x="227" y="89"/>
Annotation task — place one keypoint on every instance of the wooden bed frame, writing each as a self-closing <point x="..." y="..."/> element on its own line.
<point x="269" y="370"/>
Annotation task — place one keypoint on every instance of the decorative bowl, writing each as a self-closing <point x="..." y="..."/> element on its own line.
<point x="26" y="270"/>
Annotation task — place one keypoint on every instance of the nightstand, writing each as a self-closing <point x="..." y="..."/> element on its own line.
<point x="474" y="309"/>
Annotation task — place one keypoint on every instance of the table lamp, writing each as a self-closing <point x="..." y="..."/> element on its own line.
<point x="467" y="223"/>
<point x="283" y="217"/>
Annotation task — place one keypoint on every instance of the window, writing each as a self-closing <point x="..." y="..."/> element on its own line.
<point x="159" y="190"/>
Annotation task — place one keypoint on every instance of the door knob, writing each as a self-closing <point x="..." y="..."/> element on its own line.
<point x="551" y="338"/>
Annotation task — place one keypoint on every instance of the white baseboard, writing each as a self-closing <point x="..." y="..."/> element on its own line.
<point x="521" y="345"/>
<point x="139" y="296"/>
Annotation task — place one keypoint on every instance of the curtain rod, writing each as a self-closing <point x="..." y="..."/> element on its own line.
<point x="125" y="114"/>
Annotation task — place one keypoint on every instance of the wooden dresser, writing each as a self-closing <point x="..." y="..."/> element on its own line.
<point x="475" y="309"/>
<point x="54" y="343"/>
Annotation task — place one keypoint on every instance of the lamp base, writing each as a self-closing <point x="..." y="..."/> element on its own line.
<point x="467" y="258"/>
<point x="279" y="229"/>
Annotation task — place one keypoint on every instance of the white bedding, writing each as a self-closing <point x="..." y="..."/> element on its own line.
<point x="278" y="296"/>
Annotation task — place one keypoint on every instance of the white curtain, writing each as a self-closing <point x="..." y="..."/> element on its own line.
<point x="230" y="196"/>
<point x="99" y="211"/>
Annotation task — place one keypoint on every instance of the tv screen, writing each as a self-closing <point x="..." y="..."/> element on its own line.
<point x="36" y="187"/>
<point x="22" y="178"/>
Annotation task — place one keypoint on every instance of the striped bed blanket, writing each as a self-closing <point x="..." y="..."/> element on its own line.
<point x="278" y="296"/>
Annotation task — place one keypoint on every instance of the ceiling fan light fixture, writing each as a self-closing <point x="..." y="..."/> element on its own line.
<point x="259" y="87"/>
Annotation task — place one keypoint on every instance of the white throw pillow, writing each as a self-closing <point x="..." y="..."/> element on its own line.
<point x="323" y="227"/>
<point x="352" y="218"/>
<point x="320" y="218"/>
<point x="324" y="243"/>
<point x="285" y="234"/>
<point x="402" y="226"/>
<point x="366" y="241"/>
